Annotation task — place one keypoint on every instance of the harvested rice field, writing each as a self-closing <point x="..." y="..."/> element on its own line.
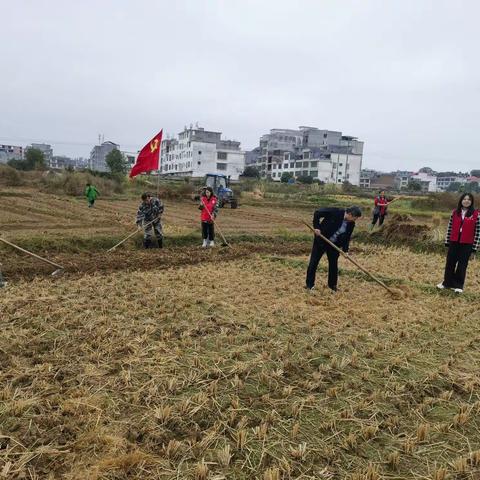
<point x="229" y="370"/>
<point x="186" y="363"/>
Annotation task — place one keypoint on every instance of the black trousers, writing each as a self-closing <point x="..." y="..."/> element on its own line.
<point x="208" y="231"/>
<point x="318" y="249"/>
<point x="380" y="218"/>
<point x="456" y="265"/>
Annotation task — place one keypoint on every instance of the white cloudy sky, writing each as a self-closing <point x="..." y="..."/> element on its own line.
<point x="402" y="75"/>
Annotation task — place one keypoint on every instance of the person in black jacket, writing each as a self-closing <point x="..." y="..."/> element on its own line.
<point x="337" y="225"/>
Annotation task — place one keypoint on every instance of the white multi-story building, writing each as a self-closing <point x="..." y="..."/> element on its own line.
<point x="197" y="152"/>
<point x="325" y="155"/>
<point x="130" y="158"/>
<point x="10" y="152"/>
<point x="428" y="182"/>
<point x="47" y="151"/>
<point x="402" y="178"/>
<point x="333" y="167"/>
<point x="98" y="155"/>
<point x="444" y="181"/>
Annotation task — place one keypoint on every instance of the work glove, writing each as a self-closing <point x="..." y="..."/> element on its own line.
<point x="201" y="207"/>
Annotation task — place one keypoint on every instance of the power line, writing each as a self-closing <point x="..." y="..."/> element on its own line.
<point x="59" y="142"/>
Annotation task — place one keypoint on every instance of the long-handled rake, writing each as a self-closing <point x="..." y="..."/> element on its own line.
<point x="57" y="272"/>
<point x="131" y="235"/>
<point x="348" y="257"/>
<point x="388" y="204"/>
<point x="225" y="243"/>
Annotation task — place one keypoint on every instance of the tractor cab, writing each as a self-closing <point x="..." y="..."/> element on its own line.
<point x="220" y="185"/>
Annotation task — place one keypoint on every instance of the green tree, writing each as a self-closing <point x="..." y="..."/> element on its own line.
<point x="454" y="187"/>
<point x="116" y="162"/>
<point x="471" y="187"/>
<point x="251" y="172"/>
<point x="307" y="179"/>
<point x="286" y="176"/>
<point x="34" y="160"/>
<point x="347" y="187"/>
<point x="414" y="186"/>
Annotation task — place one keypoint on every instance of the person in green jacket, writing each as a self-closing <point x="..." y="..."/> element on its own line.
<point x="91" y="193"/>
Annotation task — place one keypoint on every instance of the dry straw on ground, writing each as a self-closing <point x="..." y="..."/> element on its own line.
<point x="177" y="374"/>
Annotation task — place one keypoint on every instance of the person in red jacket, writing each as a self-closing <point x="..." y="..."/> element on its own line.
<point x="380" y="209"/>
<point x="462" y="239"/>
<point x="208" y="207"/>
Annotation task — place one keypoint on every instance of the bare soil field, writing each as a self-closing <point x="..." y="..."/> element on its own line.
<point x="29" y="212"/>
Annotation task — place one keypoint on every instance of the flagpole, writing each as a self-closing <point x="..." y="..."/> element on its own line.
<point x="158" y="169"/>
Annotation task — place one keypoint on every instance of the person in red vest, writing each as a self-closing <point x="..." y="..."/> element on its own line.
<point x="380" y="209"/>
<point x="208" y="207"/>
<point x="462" y="239"/>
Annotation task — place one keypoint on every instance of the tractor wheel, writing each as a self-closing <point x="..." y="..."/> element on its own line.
<point x="220" y="203"/>
<point x="234" y="204"/>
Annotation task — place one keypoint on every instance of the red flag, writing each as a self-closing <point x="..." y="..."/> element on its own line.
<point x="149" y="157"/>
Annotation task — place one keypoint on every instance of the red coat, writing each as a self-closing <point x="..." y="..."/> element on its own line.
<point x="209" y="206"/>
<point x="463" y="231"/>
<point x="381" y="204"/>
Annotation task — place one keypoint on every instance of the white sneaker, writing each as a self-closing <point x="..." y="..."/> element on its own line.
<point x="204" y="244"/>
<point x="440" y="286"/>
<point x="212" y="243"/>
<point x="458" y="290"/>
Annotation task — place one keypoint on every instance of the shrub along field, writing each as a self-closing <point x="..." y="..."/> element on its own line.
<point x="201" y="364"/>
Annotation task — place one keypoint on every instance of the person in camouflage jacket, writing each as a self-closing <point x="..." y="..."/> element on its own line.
<point x="150" y="209"/>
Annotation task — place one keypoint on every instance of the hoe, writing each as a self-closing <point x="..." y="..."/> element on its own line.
<point x="56" y="273"/>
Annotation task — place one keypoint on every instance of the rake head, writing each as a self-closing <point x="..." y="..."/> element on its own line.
<point x="59" y="272"/>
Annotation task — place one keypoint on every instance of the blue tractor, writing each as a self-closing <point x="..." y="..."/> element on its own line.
<point x="220" y="185"/>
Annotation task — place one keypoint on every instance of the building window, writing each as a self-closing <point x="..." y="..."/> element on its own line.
<point x="305" y="165"/>
<point x="199" y="162"/>
<point x="314" y="173"/>
<point x="199" y="152"/>
<point x="221" y="166"/>
<point x="292" y="164"/>
<point x="221" y="155"/>
<point x="313" y="164"/>
<point x="306" y="155"/>
<point x="340" y="164"/>
<point x="285" y="165"/>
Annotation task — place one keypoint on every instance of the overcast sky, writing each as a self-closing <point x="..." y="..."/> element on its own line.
<point x="401" y="75"/>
